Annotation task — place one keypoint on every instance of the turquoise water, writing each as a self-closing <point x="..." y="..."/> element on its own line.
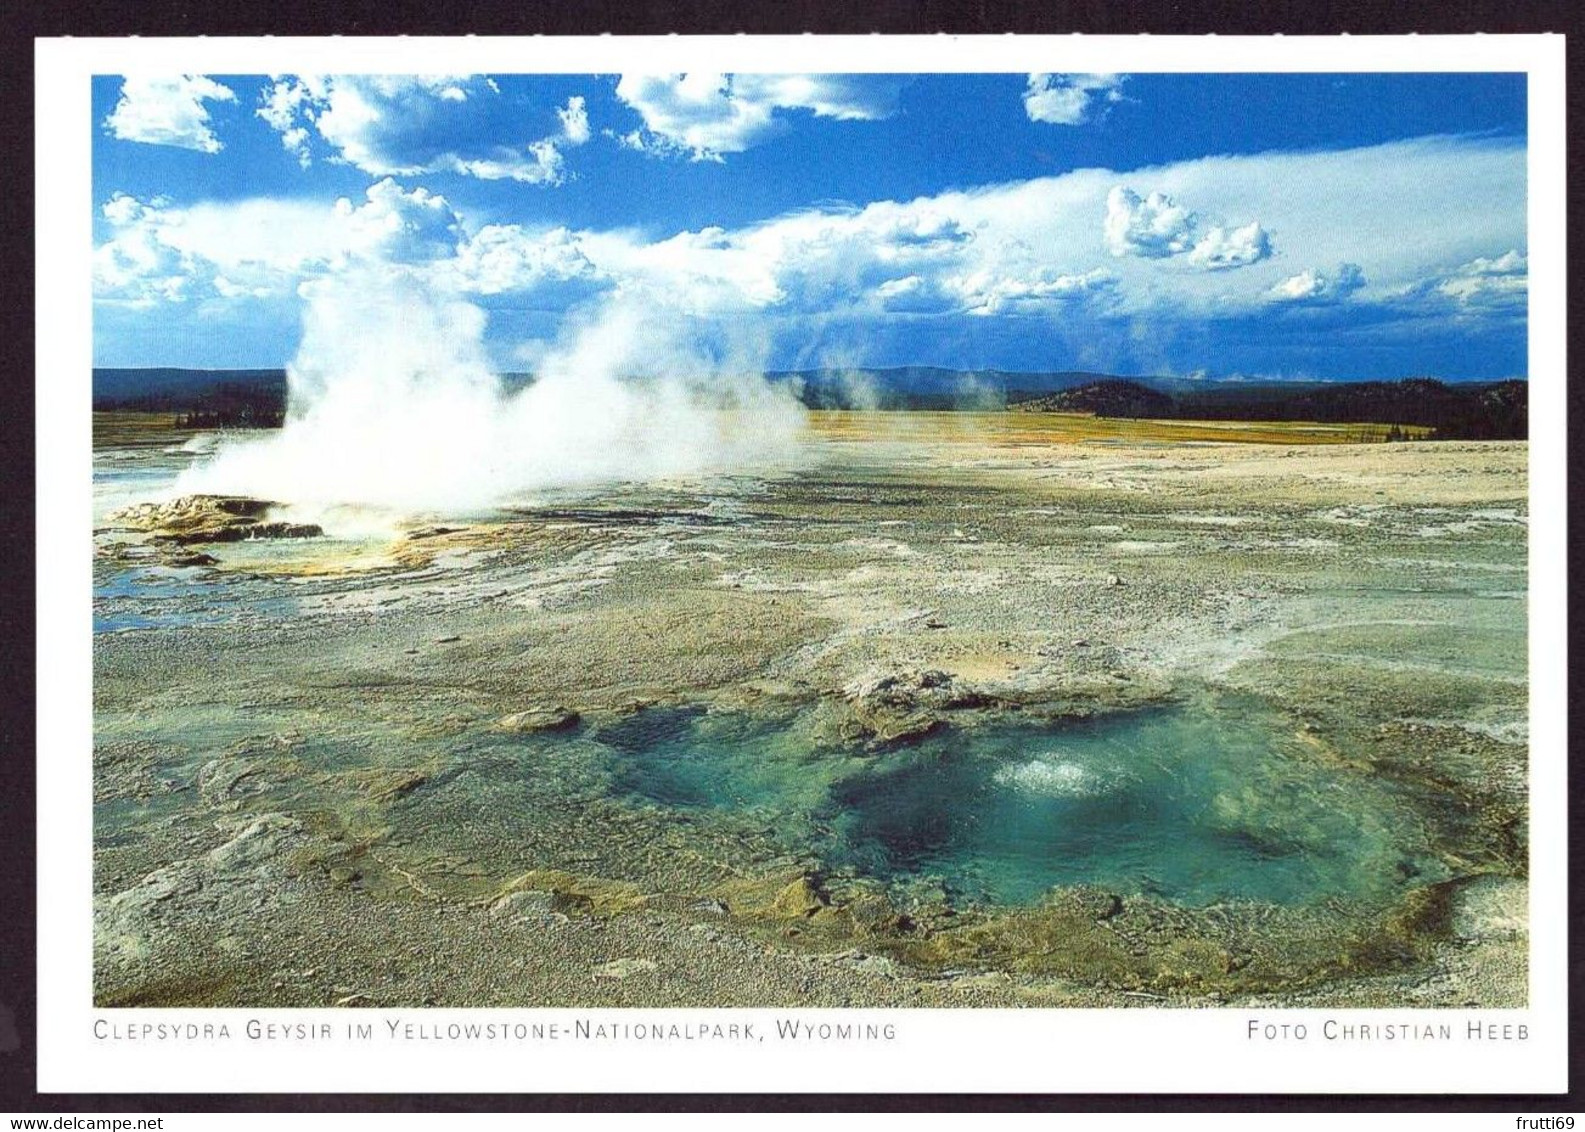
<point x="1199" y="803"/>
<point x="146" y="595"/>
<point x="164" y="597"/>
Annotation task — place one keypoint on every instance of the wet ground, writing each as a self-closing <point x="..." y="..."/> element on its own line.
<point x="958" y="711"/>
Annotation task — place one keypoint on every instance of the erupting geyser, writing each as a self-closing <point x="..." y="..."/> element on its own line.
<point x="393" y="404"/>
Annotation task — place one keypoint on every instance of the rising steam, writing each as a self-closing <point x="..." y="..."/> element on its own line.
<point x="392" y="403"/>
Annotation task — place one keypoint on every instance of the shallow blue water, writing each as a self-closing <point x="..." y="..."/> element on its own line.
<point x="144" y="595"/>
<point x="164" y="597"/>
<point x="1200" y="803"/>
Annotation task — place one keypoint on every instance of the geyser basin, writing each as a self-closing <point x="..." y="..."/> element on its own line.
<point x="1199" y="803"/>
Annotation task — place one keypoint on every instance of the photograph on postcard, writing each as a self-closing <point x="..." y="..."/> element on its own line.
<point x="838" y="540"/>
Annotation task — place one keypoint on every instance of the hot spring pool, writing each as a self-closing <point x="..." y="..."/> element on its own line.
<point x="1198" y="802"/>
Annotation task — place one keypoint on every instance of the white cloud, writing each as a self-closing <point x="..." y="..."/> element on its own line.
<point x="1068" y="100"/>
<point x="500" y="258"/>
<point x="1156" y="227"/>
<point x="1153" y="226"/>
<point x="401" y="227"/>
<point x="1221" y="248"/>
<point x="1312" y="285"/>
<point x="157" y="252"/>
<point x="574" y="120"/>
<point x="706" y="115"/>
<point x="911" y="293"/>
<point x="986" y="294"/>
<point x="122" y="210"/>
<point x="1486" y="286"/>
<point x="408" y="125"/>
<point x="136" y="267"/>
<point x="708" y="271"/>
<point x="1031" y="249"/>
<point x="1308" y="284"/>
<point x="539" y="164"/>
<point x="280" y="106"/>
<point x="1489" y="281"/>
<point x="168" y="110"/>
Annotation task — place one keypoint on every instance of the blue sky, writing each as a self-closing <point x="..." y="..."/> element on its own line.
<point x="1331" y="226"/>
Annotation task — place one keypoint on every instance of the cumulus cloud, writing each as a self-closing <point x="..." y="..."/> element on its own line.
<point x="136" y="267"/>
<point x="985" y="293"/>
<point x="1070" y="100"/>
<point x="574" y="120"/>
<point x="1156" y="227"/>
<point x="1221" y="248"/>
<point x="1028" y="250"/>
<point x="1488" y="281"/>
<point x="1312" y="285"/>
<point x="710" y="271"/>
<point x="502" y="258"/>
<point x="283" y="106"/>
<point x="168" y="110"/>
<point x="703" y="116"/>
<point x="408" y="125"/>
<point x="158" y="252"/>
<point x="401" y="227"/>
<point x="1494" y="286"/>
<point x="913" y="294"/>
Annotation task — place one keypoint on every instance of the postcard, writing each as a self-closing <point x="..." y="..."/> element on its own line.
<point x="802" y="564"/>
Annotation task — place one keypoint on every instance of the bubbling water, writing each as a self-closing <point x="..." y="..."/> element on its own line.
<point x="1059" y="779"/>
<point x="1199" y="802"/>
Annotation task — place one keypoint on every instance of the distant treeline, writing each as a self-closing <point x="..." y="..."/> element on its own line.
<point x="918" y="387"/>
<point x="244" y="414"/>
<point x="230" y="405"/>
<point x="208" y="399"/>
<point x="1483" y="411"/>
<point x="197" y="399"/>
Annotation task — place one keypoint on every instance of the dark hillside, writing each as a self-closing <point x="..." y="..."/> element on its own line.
<point x="1483" y="411"/>
<point x="196" y="398"/>
<point x="1471" y="411"/>
<point x="164" y="389"/>
<point x="1112" y="397"/>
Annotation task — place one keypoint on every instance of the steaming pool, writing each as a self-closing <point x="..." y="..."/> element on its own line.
<point x="1198" y="802"/>
<point x="735" y="801"/>
<point x="1207" y="800"/>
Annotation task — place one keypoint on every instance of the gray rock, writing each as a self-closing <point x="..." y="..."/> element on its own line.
<point x="624" y="968"/>
<point x="221" y="781"/>
<point x="259" y="840"/>
<point x="538" y="719"/>
<point x="527" y="904"/>
<point x="1491" y="907"/>
<point x="875" y="965"/>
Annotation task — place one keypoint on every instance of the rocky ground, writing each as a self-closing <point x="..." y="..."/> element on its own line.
<point x="324" y="777"/>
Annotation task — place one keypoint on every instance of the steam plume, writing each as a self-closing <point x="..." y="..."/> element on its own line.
<point x="392" y="403"/>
